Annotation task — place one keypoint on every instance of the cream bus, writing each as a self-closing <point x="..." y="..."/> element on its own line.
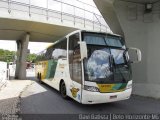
<point x="90" y="67"/>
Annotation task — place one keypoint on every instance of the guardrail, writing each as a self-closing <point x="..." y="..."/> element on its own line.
<point x="78" y="14"/>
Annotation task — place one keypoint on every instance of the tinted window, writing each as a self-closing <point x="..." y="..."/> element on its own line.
<point x="74" y="58"/>
<point x="56" y="51"/>
<point x="48" y="54"/>
<point x="94" y="39"/>
<point x="114" y="41"/>
<point x="60" y="50"/>
<point x="118" y="56"/>
<point x="103" y="39"/>
<point x="41" y="56"/>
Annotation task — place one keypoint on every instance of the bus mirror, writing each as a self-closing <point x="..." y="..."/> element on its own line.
<point x="83" y="49"/>
<point x="134" y="58"/>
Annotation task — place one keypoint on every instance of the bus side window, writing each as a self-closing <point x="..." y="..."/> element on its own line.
<point x="60" y="50"/>
<point x="74" y="58"/>
<point x="40" y="56"/>
<point x="48" y="54"/>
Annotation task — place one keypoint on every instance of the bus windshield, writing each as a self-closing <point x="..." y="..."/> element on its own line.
<point x="99" y="67"/>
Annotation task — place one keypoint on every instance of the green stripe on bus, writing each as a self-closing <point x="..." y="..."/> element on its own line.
<point x="52" y="65"/>
<point x="123" y="86"/>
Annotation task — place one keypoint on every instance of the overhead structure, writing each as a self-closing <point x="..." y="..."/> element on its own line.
<point x="25" y="22"/>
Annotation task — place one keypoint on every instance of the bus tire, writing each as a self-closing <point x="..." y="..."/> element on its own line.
<point x="39" y="78"/>
<point x="63" y="90"/>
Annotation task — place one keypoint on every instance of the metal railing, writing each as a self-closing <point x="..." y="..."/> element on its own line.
<point x="78" y="15"/>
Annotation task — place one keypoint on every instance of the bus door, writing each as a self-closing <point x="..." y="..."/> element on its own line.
<point x="75" y="67"/>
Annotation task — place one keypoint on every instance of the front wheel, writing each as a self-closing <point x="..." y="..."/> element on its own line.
<point x="63" y="90"/>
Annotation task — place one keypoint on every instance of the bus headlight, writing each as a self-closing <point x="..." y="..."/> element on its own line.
<point x="91" y="88"/>
<point x="129" y="86"/>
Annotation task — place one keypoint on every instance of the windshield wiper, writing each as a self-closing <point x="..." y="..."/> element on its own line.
<point x="116" y="66"/>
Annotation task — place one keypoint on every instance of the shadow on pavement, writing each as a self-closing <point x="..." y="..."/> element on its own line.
<point x="51" y="102"/>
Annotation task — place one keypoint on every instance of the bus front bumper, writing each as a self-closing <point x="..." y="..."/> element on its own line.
<point x="97" y="97"/>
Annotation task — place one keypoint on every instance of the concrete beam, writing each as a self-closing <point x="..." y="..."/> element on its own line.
<point x="22" y="48"/>
<point x="12" y="29"/>
<point x="107" y="10"/>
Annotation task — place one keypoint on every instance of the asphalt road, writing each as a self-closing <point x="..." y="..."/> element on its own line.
<point x="42" y="99"/>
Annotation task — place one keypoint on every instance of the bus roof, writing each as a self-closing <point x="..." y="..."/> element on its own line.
<point x="82" y="31"/>
<point x="92" y="32"/>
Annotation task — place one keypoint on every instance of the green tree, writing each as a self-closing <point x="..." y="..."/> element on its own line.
<point x="9" y="56"/>
<point x="6" y="55"/>
<point x="31" y="57"/>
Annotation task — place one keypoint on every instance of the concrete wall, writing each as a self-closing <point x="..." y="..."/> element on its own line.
<point x="142" y="31"/>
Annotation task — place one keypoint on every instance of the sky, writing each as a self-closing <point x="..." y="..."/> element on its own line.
<point x="36" y="47"/>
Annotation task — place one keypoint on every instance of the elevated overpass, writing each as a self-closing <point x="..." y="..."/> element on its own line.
<point x="138" y="21"/>
<point x="24" y="22"/>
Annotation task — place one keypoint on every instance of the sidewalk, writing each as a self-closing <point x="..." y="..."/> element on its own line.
<point x="9" y="96"/>
<point x="3" y="84"/>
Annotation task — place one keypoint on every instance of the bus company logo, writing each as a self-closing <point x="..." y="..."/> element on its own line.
<point x="74" y="92"/>
<point x="104" y="86"/>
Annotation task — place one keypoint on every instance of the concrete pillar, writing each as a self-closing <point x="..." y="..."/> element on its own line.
<point x="110" y="15"/>
<point x="141" y="30"/>
<point x="22" y="47"/>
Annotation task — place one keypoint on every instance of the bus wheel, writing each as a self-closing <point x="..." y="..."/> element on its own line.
<point x="63" y="90"/>
<point x="39" y="78"/>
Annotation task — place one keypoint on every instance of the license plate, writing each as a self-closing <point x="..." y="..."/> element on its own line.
<point x="113" y="97"/>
